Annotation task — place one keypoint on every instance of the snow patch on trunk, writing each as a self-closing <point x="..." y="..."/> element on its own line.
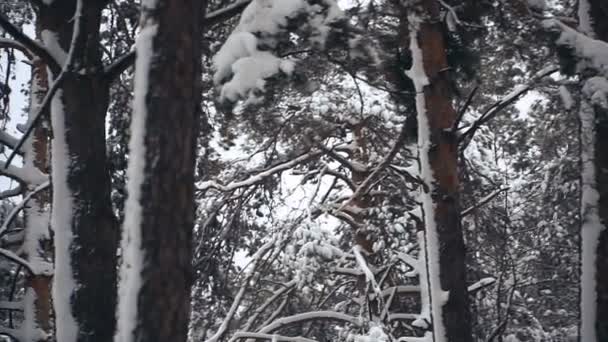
<point x="418" y="76"/>
<point x="591" y="226"/>
<point x="131" y="244"/>
<point x="64" y="284"/>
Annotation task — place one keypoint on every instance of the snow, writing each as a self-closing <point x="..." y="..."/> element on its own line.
<point x="481" y="283"/>
<point x="375" y="334"/>
<point x="437" y="294"/>
<point x="51" y="42"/>
<point x="131" y="244"/>
<point x="591" y="223"/>
<point x="596" y="90"/>
<point x="269" y="16"/>
<point x="566" y="97"/>
<point x="584" y="19"/>
<point x="64" y="284"/>
<point x="250" y="74"/>
<point x="592" y="53"/>
<point x="262" y="24"/>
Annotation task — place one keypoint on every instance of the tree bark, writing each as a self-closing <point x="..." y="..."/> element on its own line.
<point x="91" y="227"/>
<point x="159" y="217"/>
<point x="38" y="244"/>
<point x="598" y="15"/>
<point x="443" y="160"/>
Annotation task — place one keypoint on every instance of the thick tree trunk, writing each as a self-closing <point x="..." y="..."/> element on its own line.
<point x="157" y="273"/>
<point x="597" y="19"/>
<point x="442" y="219"/>
<point x="37" y="246"/>
<point x="86" y="232"/>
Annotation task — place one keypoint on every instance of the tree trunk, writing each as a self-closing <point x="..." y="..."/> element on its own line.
<point x="593" y="15"/>
<point x="156" y="274"/>
<point x="436" y="115"/>
<point x="86" y="234"/>
<point x="37" y="246"/>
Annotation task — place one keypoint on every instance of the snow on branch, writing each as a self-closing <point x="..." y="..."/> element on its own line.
<point x="309" y="316"/>
<point x="13" y="214"/>
<point x="260" y="176"/>
<point x="246" y="60"/>
<point x="504" y="102"/>
<point x="483" y="201"/>
<point x="481" y="284"/>
<point x="6" y="43"/>
<point x="16" y="191"/>
<point x="237" y="300"/>
<point x="46" y="102"/>
<point x="10" y="141"/>
<point x="40" y="268"/>
<point x="29" y="43"/>
<point x="593" y="53"/>
<point x="284" y="289"/>
<point x="269" y="337"/>
<point x="30" y="176"/>
<point x="123" y="62"/>
<point x="17" y="306"/>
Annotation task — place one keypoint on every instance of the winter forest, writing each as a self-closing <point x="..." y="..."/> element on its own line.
<point x="303" y="170"/>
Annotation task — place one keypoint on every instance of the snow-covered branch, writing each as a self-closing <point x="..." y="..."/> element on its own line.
<point x="284" y="289"/>
<point x="13" y="214"/>
<point x="309" y="316"/>
<point x="386" y="161"/>
<point x="30" y="176"/>
<point x="29" y="43"/>
<point x="592" y="53"/>
<point x="16" y="191"/>
<point x="10" y="141"/>
<point x="125" y="61"/>
<point x="35" y="120"/>
<point x="268" y="337"/>
<point x="237" y="300"/>
<point x="18" y="306"/>
<point x="504" y="102"/>
<point x="259" y="176"/>
<point x="483" y="201"/>
<point x="481" y="284"/>
<point x="35" y="269"/>
<point x="6" y="43"/>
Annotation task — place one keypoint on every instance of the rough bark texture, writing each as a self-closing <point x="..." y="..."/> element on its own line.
<point x="39" y="284"/>
<point x="172" y="106"/>
<point x="599" y="17"/>
<point x="94" y="227"/>
<point x="443" y="157"/>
